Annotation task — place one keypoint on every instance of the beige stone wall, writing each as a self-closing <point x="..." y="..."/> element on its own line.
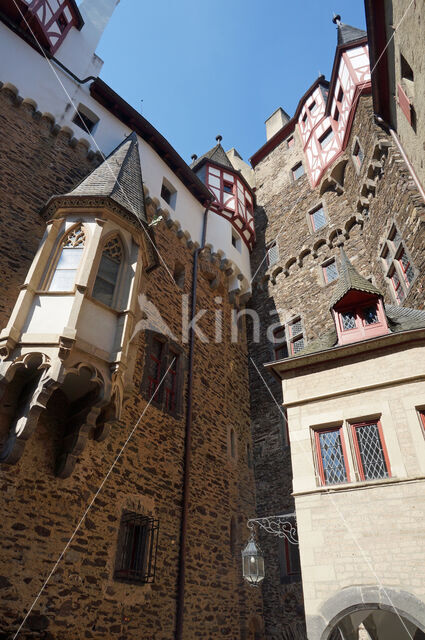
<point x="360" y="533"/>
<point x="405" y="24"/>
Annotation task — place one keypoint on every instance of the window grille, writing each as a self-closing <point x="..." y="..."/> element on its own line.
<point x="370" y="452"/>
<point x="330" y="450"/>
<point x="137" y="549"/>
<point x="318" y="218"/>
<point x="63" y="278"/>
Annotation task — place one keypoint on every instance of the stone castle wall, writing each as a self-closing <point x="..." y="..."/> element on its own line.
<point x="40" y="511"/>
<point x="360" y="209"/>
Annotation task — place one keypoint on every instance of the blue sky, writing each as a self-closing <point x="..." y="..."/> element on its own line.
<point x="208" y="67"/>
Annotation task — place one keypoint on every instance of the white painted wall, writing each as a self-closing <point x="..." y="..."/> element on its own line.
<point x="58" y="94"/>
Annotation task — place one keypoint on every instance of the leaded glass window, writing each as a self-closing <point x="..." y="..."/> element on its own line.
<point x="107" y="275"/>
<point x="406" y="267"/>
<point x="332" y="457"/>
<point x="298" y="170"/>
<point x="348" y="320"/>
<point x="330" y="272"/>
<point x="63" y="278"/>
<point x="296" y="327"/>
<point x="297" y="345"/>
<point x="370" y="315"/>
<point x="318" y="218"/>
<point x="372" y="461"/>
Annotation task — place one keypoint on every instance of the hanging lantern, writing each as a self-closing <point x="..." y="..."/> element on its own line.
<point x="253" y="562"/>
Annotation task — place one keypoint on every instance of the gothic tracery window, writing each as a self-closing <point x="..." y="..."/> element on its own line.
<point x="63" y="278"/>
<point x="108" y="272"/>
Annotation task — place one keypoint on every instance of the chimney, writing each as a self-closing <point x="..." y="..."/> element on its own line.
<point x="277" y="121"/>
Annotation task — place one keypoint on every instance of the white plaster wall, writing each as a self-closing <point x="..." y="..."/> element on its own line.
<point x="56" y="93"/>
<point x="219" y="237"/>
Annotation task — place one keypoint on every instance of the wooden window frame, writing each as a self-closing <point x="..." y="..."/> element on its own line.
<point x="294" y="169"/>
<point x="318" y="454"/>
<point x="359" y="462"/>
<point x="169" y="351"/>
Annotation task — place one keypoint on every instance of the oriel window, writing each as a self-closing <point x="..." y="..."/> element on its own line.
<point x="63" y="278"/>
<point x="108" y="274"/>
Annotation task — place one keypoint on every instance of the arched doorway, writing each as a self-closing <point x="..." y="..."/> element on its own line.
<point x="375" y="624"/>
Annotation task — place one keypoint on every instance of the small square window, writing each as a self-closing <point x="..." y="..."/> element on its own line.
<point x="340" y="95"/>
<point x="305" y="117"/>
<point x="227" y="187"/>
<point x="85" y="118"/>
<point x="295" y="327"/>
<point x="337" y="113"/>
<point x="136" y="552"/>
<point x="318" y="218"/>
<point x="313" y="106"/>
<point x="421" y="413"/>
<point x="330" y="272"/>
<point x="348" y="320"/>
<point x="326" y="138"/>
<point x="370" y="315"/>
<point x="298" y="171"/>
<point x="168" y="193"/>
<point x="297" y="345"/>
<point x="406" y="267"/>
<point x="290" y="142"/>
<point x="236" y="240"/>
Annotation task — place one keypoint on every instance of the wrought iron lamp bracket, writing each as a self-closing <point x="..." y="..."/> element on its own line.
<point x="283" y="526"/>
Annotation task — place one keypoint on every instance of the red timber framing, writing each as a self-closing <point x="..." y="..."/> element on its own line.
<point x="371" y="463"/>
<point x="49" y="21"/>
<point x="233" y="200"/>
<point x="421" y="413"/>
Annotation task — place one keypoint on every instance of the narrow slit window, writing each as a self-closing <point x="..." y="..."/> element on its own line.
<point x="64" y="275"/>
<point x="326" y="138"/>
<point x="280" y="347"/>
<point x="108" y="273"/>
<point x="272" y="255"/>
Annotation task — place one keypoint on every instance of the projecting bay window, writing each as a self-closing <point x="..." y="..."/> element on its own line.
<point x="162" y="382"/>
<point x="137" y="548"/>
<point x="68" y="259"/>
<point x="331" y="456"/>
<point x="106" y="285"/>
<point x="397" y="265"/>
<point x="370" y="451"/>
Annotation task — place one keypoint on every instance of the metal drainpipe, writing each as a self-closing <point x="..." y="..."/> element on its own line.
<point x="404" y="156"/>
<point x="188" y="443"/>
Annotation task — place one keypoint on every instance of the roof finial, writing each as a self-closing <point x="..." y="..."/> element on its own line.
<point x="194" y="157"/>
<point x="336" y="19"/>
<point x="219" y="138"/>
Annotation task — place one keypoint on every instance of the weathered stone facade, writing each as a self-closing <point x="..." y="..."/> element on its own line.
<point x="40" y="511"/>
<point x="360" y="207"/>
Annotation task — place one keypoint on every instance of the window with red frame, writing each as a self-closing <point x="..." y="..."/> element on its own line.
<point x="290" y="142"/>
<point x="280" y="346"/>
<point x="371" y="453"/>
<point x="272" y="253"/>
<point x="163" y="374"/>
<point x="397" y="265"/>
<point x="171" y="382"/>
<point x="331" y="456"/>
<point x="422" y="419"/>
<point x="290" y="566"/>
<point x="296" y="336"/>
<point x="318" y="218"/>
<point x="326" y="138"/>
<point x="330" y="271"/>
<point x="227" y="187"/>
<point x="359" y="317"/>
<point x="155" y="367"/>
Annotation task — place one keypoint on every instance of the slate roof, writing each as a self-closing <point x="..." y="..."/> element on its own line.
<point x="347" y="34"/>
<point x="350" y="279"/>
<point x="119" y="177"/>
<point x="216" y="154"/>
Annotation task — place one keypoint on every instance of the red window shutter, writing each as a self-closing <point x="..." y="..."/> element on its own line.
<point x="405" y="104"/>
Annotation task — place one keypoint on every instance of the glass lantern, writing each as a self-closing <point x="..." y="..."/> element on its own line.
<point x="253" y="562"/>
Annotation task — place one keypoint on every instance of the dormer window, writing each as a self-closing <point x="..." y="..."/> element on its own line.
<point x="360" y="320"/>
<point x="108" y="273"/>
<point x="68" y="261"/>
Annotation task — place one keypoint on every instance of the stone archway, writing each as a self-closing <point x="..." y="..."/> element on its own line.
<point x="370" y="613"/>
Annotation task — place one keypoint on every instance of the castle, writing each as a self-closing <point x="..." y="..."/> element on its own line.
<point x="188" y="349"/>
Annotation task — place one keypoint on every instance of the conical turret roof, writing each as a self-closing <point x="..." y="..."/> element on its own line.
<point x="346" y="33"/>
<point x="119" y="177"/>
<point x="216" y="154"/>
<point x="349" y="280"/>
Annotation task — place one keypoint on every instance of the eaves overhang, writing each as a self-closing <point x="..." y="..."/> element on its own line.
<point x="116" y="105"/>
<point x="297" y="364"/>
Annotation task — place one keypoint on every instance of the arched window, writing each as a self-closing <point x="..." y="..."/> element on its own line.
<point x="107" y="275"/>
<point x="63" y="278"/>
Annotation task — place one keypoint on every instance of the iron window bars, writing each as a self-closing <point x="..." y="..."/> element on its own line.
<point x="137" y="549"/>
